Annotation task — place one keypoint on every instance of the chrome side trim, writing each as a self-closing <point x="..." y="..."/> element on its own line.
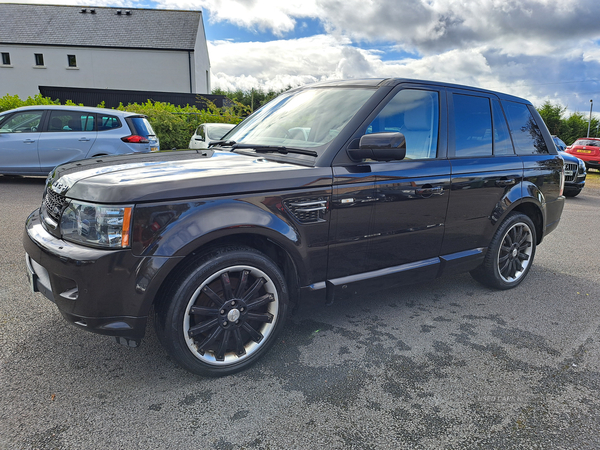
<point x="383" y="272"/>
<point x="317" y="286"/>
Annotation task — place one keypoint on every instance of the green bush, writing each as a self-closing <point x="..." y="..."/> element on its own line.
<point x="13" y="101"/>
<point x="174" y="125"/>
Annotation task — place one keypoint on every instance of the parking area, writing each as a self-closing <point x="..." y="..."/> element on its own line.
<point x="449" y="364"/>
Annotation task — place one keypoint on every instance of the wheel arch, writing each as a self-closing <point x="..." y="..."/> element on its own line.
<point x="273" y="249"/>
<point x="534" y="212"/>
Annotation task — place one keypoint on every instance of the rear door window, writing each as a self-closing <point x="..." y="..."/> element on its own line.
<point x="472" y="126"/>
<point x="502" y="142"/>
<point x="65" y="121"/>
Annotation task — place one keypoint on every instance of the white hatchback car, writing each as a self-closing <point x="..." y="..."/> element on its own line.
<point x="209" y="132"/>
<point x="35" y="139"/>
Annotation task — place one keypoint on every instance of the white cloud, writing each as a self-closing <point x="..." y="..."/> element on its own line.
<point x="276" y="65"/>
<point x="273" y="15"/>
<point x="538" y="49"/>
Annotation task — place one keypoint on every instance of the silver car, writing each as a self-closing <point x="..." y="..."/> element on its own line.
<point x="35" y="139"/>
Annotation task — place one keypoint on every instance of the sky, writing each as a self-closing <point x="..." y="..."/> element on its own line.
<point x="538" y="49"/>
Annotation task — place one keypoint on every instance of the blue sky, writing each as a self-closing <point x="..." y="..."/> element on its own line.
<point x="538" y="49"/>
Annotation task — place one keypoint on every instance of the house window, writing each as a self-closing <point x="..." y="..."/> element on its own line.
<point x="72" y="60"/>
<point x="39" y="59"/>
<point x="6" y="59"/>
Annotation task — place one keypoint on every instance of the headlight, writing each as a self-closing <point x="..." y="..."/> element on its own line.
<point x="96" y="225"/>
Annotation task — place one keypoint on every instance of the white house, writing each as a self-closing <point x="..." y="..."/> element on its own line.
<point x="99" y="47"/>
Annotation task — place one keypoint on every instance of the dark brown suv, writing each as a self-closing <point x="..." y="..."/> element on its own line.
<point x="364" y="183"/>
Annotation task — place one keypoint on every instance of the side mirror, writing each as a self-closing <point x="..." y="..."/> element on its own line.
<point x="380" y="147"/>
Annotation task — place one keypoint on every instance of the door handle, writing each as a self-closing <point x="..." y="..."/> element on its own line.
<point x="29" y="141"/>
<point x="505" y="182"/>
<point x="429" y="191"/>
<point x="84" y="139"/>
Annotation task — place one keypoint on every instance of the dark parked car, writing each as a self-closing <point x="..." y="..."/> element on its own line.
<point x="575" y="170"/>
<point x="359" y="183"/>
<point x="575" y="174"/>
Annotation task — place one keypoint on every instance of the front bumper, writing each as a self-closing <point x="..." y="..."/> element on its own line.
<point x="108" y="292"/>
<point x="574" y="186"/>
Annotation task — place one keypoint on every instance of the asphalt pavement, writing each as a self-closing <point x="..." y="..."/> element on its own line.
<point x="445" y="365"/>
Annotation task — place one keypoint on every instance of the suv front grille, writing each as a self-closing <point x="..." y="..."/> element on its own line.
<point x="54" y="204"/>
<point x="307" y="210"/>
<point x="573" y="168"/>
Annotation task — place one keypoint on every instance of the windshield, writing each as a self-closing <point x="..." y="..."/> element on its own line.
<point x="216" y="132"/>
<point x="307" y="119"/>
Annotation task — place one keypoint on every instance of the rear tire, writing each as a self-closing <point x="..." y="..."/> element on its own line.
<point x="510" y="253"/>
<point x="224" y="312"/>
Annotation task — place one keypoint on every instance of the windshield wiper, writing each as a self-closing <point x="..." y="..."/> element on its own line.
<point x="224" y="143"/>
<point x="274" y="149"/>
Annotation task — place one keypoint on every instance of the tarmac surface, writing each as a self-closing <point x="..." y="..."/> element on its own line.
<point x="444" y="365"/>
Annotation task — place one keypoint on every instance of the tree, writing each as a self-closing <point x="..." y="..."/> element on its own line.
<point x="568" y="129"/>
<point x="252" y="99"/>
<point x="552" y="115"/>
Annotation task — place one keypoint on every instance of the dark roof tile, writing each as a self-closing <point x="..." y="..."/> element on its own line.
<point x="67" y="25"/>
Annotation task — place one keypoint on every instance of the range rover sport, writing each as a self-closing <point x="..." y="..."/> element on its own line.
<point x="361" y="182"/>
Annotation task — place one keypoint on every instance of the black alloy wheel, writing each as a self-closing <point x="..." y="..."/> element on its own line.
<point x="510" y="254"/>
<point x="225" y="313"/>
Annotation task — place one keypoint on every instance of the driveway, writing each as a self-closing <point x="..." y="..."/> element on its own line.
<point x="448" y="364"/>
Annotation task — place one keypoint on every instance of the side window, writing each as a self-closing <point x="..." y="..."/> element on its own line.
<point x="22" y="122"/>
<point x="200" y="132"/>
<point x="414" y="113"/>
<point x="70" y="121"/>
<point x="108" y="122"/>
<point x="502" y="142"/>
<point x="526" y="134"/>
<point x="472" y="126"/>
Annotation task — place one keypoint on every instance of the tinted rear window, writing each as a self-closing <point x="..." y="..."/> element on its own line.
<point x="527" y="136"/>
<point x="587" y="143"/>
<point x="141" y="126"/>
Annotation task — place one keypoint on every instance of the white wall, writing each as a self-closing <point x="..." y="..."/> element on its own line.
<point x="202" y="62"/>
<point x="143" y="70"/>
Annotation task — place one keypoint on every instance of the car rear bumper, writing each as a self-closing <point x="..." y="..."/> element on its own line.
<point x="589" y="160"/>
<point x="103" y="291"/>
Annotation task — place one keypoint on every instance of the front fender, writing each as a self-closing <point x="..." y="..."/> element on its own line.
<point x="178" y="230"/>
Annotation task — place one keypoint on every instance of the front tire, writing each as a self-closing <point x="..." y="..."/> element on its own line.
<point x="224" y="313"/>
<point x="510" y="253"/>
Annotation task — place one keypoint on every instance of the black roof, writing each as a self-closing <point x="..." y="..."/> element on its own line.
<point x="378" y="82"/>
